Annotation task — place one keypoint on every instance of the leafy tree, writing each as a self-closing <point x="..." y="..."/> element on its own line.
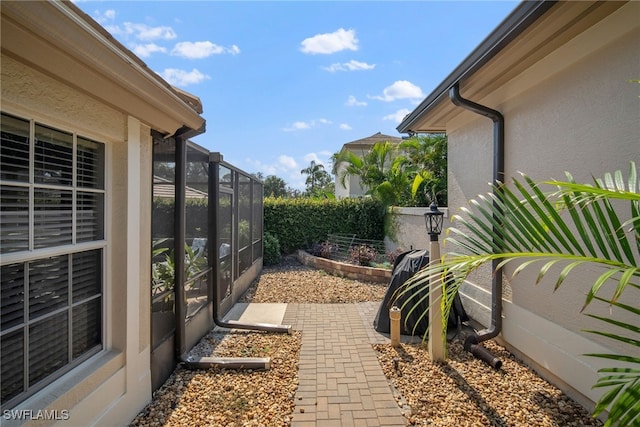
<point x="294" y="193"/>
<point x="326" y="192"/>
<point x="573" y="226"/>
<point x="275" y="187"/>
<point x="318" y="179"/>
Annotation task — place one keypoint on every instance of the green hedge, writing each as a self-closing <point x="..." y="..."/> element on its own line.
<point x="299" y="223"/>
<point x="163" y="217"/>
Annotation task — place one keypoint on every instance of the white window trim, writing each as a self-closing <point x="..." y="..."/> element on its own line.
<point x="61" y="379"/>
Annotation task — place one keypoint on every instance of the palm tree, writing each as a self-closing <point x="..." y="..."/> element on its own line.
<point x="380" y="175"/>
<point x="412" y="173"/>
<point x="427" y="155"/>
<point x="572" y="226"/>
<point x="317" y="180"/>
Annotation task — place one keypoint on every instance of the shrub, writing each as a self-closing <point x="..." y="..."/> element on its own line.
<point x="324" y="249"/>
<point x="391" y="256"/>
<point x="271" y="249"/>
<point x="363" y="255"/>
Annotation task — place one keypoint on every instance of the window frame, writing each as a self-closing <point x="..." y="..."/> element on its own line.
<point x="31" y="254"/>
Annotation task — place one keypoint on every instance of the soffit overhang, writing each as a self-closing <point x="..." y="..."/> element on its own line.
<point x="61" y="41"/>
<point x="531" y="32"/>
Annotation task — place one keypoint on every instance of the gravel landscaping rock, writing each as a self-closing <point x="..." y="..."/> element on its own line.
<point x="292" y="282"/>
<point x="464" y="391"/>
<point x="222" y="397"/>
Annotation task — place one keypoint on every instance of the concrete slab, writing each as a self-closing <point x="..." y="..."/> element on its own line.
<point x="257" y="313"/>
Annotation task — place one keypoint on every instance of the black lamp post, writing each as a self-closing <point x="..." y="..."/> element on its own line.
<point x="433" y="220"/>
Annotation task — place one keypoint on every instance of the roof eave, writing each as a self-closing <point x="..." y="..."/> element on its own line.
<point x="62" y="41"/>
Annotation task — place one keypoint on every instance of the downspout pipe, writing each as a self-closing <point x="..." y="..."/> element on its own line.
<point x="180" y="277"/>
<point x="180" y="137"/>
<point x="208" y="362"/>
<point x="179" y="245"/>
<point x="498" y="179"/>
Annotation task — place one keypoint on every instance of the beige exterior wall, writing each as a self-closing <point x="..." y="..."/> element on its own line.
<point x="352" y="187"/>
<point x="112" y="386"/>
<point x="340" y="190"/>
<point x="575" y="110"/>
<point x="407" y="229"/>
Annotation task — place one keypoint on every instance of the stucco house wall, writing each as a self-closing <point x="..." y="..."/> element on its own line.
<point x="578" y="116"/>
<point x="351" y="187"/>
<point x="118" y="378"/>
<point x="571" y="108"/>
<point x="407" y="229"/>
<point x="113" y="385"/>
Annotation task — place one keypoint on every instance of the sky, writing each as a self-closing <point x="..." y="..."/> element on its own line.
<point x="285" y="83"/>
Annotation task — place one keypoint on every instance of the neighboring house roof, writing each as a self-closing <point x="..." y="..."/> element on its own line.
<point x="533" y="30"/>
<point x="63" y="42"/>
<point x="166" y="189"/>
<point x="371" y="140"/>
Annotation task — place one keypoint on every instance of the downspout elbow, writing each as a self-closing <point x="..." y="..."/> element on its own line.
<point x="457" y="99"/>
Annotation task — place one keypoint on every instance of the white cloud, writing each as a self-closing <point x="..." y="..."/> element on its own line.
<point x="401" y="89"/>
<point x="353" y="102"/>
<point x="344" y="126"/>
<point x="287" y="162"/>
<point x="297" y="126"/>
<point x="145" y="50"/>
<point x="138" y="31"/>
<point x="282" y="166"/>
<point x="262" y="167"/>
<point x="197" y="50"/>
<point x="313" y="157"/>
<point x="330" y="42"/>
<point x="306" y="125"/>
<point x="107" y="15"/>
<point x="397" y="116"/>
<point x="145" y="32"/>
<point x="352" y="65"/>
<point x="183" y="78"/>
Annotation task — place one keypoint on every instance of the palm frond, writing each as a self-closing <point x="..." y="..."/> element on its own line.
<point x="570" y="225"/>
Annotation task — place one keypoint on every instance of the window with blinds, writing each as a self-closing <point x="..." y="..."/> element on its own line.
<point x="51" y="200"/>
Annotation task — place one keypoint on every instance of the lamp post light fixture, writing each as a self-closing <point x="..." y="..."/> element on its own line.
<point x="433" y="219"/>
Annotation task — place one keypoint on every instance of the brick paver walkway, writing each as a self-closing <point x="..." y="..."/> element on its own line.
<point x="340" y="382"/>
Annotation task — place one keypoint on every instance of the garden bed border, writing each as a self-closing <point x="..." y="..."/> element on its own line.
<point x="342" y="269"/>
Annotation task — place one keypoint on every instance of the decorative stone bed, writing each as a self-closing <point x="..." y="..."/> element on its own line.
<point x="342" y="269"/>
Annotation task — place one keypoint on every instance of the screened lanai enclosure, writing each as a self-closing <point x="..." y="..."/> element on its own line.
<point x="211" y="213"/>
